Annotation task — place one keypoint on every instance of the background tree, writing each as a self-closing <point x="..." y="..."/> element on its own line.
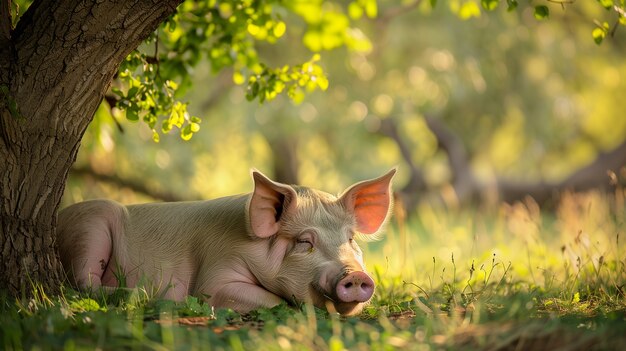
<point x="525" y="103"/>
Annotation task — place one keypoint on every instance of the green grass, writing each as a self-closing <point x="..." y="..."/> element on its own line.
<point x="505" y="278"/>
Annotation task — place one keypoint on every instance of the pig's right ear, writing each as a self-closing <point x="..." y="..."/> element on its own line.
<point x="370" y="202"/>
<point x="269" y="201"/>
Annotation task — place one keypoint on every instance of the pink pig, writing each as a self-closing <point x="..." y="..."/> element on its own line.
<point x="280" y="242"/>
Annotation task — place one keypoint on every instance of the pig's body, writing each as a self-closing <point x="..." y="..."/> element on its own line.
<point x="243" y="252"/>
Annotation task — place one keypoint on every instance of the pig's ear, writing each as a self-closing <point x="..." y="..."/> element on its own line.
<point x="370" y="202"/>
<point x="269" y="201"/>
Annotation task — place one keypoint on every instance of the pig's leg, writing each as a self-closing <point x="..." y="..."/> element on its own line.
<point x="244" y="297"/>
<point x="90" y="265"/>
<point x="174" y="287"/>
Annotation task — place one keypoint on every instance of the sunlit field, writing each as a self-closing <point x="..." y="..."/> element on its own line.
<point x="574" y="248"/>
<point x="473" y="102"/>
<point x="504" y="277"/>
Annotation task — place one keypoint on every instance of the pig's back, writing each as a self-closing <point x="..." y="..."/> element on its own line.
<point x="185" y="235"/>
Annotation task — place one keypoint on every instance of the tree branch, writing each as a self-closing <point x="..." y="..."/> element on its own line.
<point x="112" y="102"/>
<point x="463" y="179"/>
<point x="132" y="184"/>
<point x="595" y="175"/>
<point x="224" y="81"/>
<point x="467" y="187"/>
<point x="416" y="182"/>
<point x="398" y="10"/>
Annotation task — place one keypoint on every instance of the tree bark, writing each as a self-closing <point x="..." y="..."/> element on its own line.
<point x="55" y="66"/>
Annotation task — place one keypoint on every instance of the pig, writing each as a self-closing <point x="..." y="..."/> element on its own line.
<point x="278" y="243"/>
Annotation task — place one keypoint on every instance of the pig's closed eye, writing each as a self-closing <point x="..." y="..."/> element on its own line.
<point x="354" y="245"/>
<point x="305" y="242"/>
<point x="304" y="245"/>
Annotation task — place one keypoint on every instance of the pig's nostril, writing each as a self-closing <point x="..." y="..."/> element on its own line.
<point x="355" y="287"/>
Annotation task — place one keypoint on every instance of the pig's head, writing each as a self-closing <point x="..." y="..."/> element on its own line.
<point x="310" y="239"/>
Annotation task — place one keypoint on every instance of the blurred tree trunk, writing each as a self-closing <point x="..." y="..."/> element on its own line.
<point x="136" y="185"/>
<point x="55" y="67"/>
<point x="467" y="188"/>
<point x="416" y="183"/>
<point x="595" y="175"/>
<point x="284" y="151"/>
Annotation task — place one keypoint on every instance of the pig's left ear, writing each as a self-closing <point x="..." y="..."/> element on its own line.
<point x="370" y="201"/>
<point x="269" y="201"/>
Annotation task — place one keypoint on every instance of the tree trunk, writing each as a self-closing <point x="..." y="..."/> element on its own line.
<point x="284" y="151"/>
<point x="54" y="70"/>
<point x="416" y="184"/>
<point x="468" y="188"/>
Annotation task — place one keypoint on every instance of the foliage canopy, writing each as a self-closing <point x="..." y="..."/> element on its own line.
<point x="227" y="34"/>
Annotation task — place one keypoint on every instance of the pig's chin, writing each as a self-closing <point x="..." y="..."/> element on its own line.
<point x="347" y="308"/>
<point x="332" y="304"/>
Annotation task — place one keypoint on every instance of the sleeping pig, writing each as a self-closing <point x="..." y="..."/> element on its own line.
<point x="280" y="242"/>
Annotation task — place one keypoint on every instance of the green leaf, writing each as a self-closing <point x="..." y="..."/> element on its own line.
<point x="371" y="8"/>
<point x="433" y="3"/>
<point x="132" y="92"/>
<point x="195" y="127"/>
<point x="132" y="114"/>
<point x="85" y="305"/>
<point x="296" y="95"/>
<point x="7" y="100"/>
<point x="279" y="29"/>
<point x="335" y="344"/>
<point x="186" y="133"/>
<point x="171" y="84"/>
<point x="355" y="11"/>
<point x="489" y="5"/>
<point x="542" y="12"/>
<point x="254" y="90"/>
<point x="13" y="109"/>
<point x="599" y="33"/>
<point x="468" y="10"/>
<point x="117" y="91"/>
<point x="607" y="4"/>
<point x="322" y="82"/>
<point x="512" y="5"/>
<point x="238" y="78"/>
<point x="166" y="126"/>
<point x="313" y="40"/>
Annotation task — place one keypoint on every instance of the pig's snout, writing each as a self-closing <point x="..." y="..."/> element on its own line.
<point x="355" y="287"/>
